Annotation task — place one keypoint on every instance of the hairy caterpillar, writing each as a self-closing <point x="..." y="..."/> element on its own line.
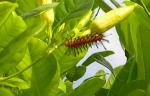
<point x="84" y="42"/>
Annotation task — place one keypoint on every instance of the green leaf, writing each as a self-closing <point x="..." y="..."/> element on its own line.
<point x="101" y="74"/>
<point x="69" y="9"/>
<point x="61" y="93"/>
<point x="75" y="73"/>
<point x="102" y="92"/>
<point x="145" y="2"/>
<point x="148" y="90"/>
<point x="137" y="92"/>
<point x="11" y="58"/>
<point x="88" y="87"/>
<point x="15" y="83"/>
<point x="102" y="4"/>
<point x="99" y="58"/>
<point x="91" y="58"/>
<point x="45" y="77"/>
<point x="36" y="48"/>
<point x="9" y="0"/>
<point x="137" y="1"/>
<point x="79" y="7"/>
<point x="135" y="85"/>
<point x="39" y="10"/>
<point x="62" y="85"/>
<point x="26" y="61"/>
<point x="106" y="53"/>
<point x="134" y="33"/>
<point x="26" y="6"/>
<point x="11" y="51"/>
<point x="125" y="75"/>
<point x="69" y="86"/>
<point x="26" y="92"/>
<point x="5" y="92"/>
<point x="9" y="7"/>
<point x="111" y="78"/>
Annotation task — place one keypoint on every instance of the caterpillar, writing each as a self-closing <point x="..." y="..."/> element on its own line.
<point x="84" y="42"/>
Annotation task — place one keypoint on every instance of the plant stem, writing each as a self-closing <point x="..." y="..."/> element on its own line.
<point x="17" y="73"/>
<point x="21" y="71"/>
<point x="145" y="8"/>
<point x="97" y="12"/>
<point x="115" y="3"/>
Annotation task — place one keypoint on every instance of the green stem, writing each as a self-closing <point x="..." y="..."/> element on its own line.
<point x="97" y="12"/>
<point x="115" y="3"/>
<point x="21" y="71"/>
<point x="145" y="8"/>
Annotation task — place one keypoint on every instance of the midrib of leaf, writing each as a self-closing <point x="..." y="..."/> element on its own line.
<point x="8" y="14"/>
<point x="142" y="59"/>
<point x="140" y="65"/>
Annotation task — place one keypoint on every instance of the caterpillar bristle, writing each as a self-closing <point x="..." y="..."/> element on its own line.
<point x="106" y="40"/>
<point x="103" y="45"/>
<point x="83" y="43"/>
<point x="96" y="44"/>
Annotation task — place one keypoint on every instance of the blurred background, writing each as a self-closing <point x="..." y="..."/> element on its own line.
<point x="118" y="58"/>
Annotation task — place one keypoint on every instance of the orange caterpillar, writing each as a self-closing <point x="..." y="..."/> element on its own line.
<point x="83" y="42"/>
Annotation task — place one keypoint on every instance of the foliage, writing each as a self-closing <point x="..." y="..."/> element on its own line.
<point x="35" y="62"/>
